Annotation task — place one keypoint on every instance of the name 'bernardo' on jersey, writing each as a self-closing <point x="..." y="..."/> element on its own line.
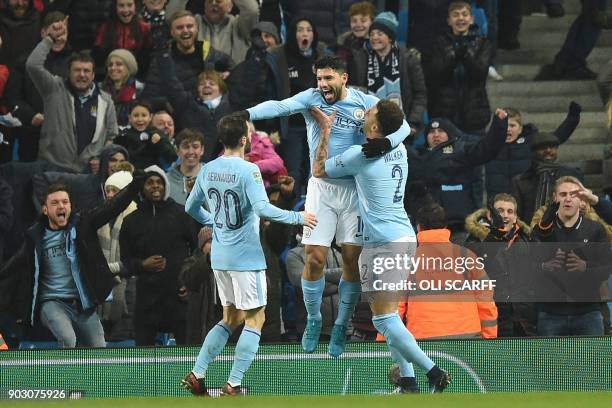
<point x="221" y="177"/>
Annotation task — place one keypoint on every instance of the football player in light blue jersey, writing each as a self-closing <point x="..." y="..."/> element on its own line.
<point x="234" y="191"/>
<point x="387" y="230"/>
<point x="333" y="201"/>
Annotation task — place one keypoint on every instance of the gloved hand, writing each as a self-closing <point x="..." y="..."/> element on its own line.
<point x="376" y="147"/>
<point x="497" y="223"/>
<point x="138" y="178"/>
<point x="574" y="108"/>
<point x="549" y="214"/>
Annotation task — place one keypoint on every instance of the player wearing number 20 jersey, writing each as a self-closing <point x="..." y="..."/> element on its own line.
<point x="236" y="197"/>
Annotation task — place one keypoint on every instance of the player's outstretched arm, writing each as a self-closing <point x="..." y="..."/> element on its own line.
<point x="274" y="109"/>
<point x="196" y="198"/>
<point x="325" y="124"/>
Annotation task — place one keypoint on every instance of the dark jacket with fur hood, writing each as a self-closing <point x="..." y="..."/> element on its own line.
<point x="506" y="261"/>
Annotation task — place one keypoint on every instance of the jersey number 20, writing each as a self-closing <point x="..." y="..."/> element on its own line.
<point x="225" y="201"/>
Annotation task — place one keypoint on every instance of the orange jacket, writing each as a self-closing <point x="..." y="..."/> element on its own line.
<point x="3" y="345"/>
<point x="451" y="313"/>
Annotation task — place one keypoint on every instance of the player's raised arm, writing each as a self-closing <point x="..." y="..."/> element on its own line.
<point x="193" y="205"/>
<point x="325" y="123"/>
<point x="273" y="109"/>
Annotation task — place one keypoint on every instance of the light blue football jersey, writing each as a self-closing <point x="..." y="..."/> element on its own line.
<point x="380" y="185"/>
<point x="347" y="129"/>
<point x="234" y="192"/>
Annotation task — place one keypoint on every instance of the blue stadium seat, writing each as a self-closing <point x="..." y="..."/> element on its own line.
<point x="26" y="344"/>
<point x="402" y="28"/>
<point x="164" y="339"/>
<point x="480" y="18"/>
<point x="121" y="343"/>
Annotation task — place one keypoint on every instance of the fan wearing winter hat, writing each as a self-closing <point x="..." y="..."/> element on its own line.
<point x="121" y="83"/>
<point x="115" y="307"/>
<point x="390" y="71"/>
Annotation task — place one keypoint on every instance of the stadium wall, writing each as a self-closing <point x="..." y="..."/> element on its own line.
<point x="501" y="365"/>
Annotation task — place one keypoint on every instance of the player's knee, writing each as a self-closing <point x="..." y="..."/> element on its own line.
<point x="235" y="320"/>
<point x="315" y="261"/>
<point x="256" y="318"/>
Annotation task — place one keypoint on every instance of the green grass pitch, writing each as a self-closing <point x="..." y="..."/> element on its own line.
<point x="496" y="400"/>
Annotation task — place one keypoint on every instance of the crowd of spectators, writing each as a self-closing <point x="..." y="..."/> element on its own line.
<point x="99" y="95"/>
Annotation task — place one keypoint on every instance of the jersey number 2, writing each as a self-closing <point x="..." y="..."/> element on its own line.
<point x="397" y="170"/>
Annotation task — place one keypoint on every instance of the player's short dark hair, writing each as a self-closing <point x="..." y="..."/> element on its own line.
<point x="389" y="116"/>
<point x="230" y="129"/>
<point x="81" y="56"/>
<point x="54" y="188"/>
<point x="431" y="216"/>
<point x="330" y="61"/>
<point x="189" y="135"/>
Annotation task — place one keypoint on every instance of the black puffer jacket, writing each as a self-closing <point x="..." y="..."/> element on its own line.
<point x="187" y="68"/>
<point x="457" y="85"/>
<point x="161" y="228"/>
<point x="85" y="17"/>
<point x="446" y="170"/>
<point x="512" y="159"/>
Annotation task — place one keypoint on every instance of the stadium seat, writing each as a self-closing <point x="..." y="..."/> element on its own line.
<point x="402" y="28"/>
<point x="164" y="339"/>
<point x="480" y="18"/>
<point x="26" y="344"/>
<point x="121" y="343"/>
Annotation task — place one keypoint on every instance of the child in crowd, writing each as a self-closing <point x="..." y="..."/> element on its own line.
<point x="146" y="145"/>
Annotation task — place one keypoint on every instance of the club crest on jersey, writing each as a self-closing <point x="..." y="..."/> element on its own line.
<point x="307" y="232"/>
<point x="338" y="161"/>
<point x="447" y="150"/>
<point x="257" y="177"/>
<point x="520" y="140"/>
<point x="359" y="114"/>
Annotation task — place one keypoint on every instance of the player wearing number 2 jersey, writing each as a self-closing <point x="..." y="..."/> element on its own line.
<point x="387" y="232"/>
<point x="234" y="191"/>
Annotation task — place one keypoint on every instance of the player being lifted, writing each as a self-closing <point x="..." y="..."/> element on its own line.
<point x="333" y="201"/>
<point x="233" y="188"/>
<point x="386" y="232"/>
